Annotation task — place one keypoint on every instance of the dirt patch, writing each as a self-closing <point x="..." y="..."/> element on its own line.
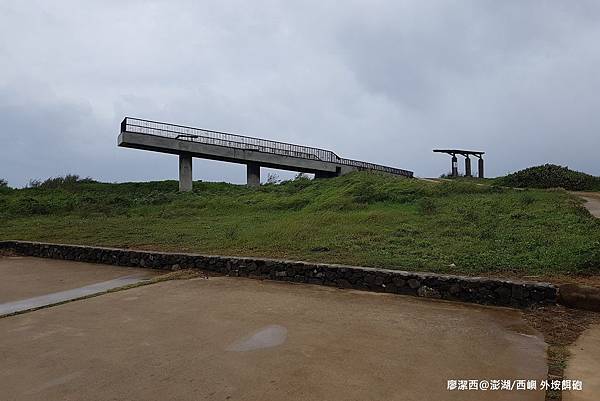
<point x="592" y="280"/>
<point x="592" y="202"/>
<point x="560" y="326"/>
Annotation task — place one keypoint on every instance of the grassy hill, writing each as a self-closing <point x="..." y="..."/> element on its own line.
<point x="550" y="176"/>
<point x="362" y="218"/>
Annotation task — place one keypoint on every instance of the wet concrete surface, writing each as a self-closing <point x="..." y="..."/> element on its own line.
<point x="584" y="365"/>
<point x="241" y="339"/>
<point x="24" y="277"/>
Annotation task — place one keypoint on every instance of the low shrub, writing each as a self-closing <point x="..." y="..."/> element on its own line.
<point x="68" y="181"/>
<point x="31" y="206"/>
<point x="4" y="186"/>
<point x="550" y="176"/>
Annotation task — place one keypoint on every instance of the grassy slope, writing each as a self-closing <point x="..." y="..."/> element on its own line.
<point x="362" y="219"/>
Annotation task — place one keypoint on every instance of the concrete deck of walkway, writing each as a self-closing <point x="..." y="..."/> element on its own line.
<point x="24" y="277"/>
<point x="240" y="339"/>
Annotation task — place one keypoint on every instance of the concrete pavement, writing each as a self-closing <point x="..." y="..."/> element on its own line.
<point x="241" y="339"/>
<point x="25" y="277"/>
<point x="584" y="365"/>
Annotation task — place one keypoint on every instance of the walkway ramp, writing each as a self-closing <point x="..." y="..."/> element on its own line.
<point x="188" y="142"/>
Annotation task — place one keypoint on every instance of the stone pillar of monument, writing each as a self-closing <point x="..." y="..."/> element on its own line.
<point x="454" y="166"/>
<point x="467" y="167"/>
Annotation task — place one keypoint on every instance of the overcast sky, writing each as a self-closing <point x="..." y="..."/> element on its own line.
<point x="375" y="80"/>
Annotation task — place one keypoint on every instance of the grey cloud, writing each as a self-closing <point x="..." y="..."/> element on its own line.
<point x="384" y="81"/>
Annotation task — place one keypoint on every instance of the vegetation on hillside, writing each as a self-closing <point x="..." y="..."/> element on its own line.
<point x="362" y="219"/>
<point x="551" y="176"/>
<point x="68" y="181"/>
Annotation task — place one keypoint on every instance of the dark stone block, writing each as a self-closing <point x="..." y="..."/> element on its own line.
<point x="414" y="283"/>
<point x="406" y="290"/>
<point x="538" y="295"/>
<point x="369" y="278"/>
<point x="503" y="292"/>
<point x="517" y="291"/>
<point x="580" y="296"/>
<point x="391" y="288"/>
<point x="428" y="292"/>
<point x="398" y="281"/>
<point x="551" y="294"/>
<point x="330" y="274"/>
<point x="454" y="289"/>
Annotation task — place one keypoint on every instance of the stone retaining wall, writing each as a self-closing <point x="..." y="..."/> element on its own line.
<point x="458" y="288"/>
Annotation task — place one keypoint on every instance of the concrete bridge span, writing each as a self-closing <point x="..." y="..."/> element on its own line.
<point x="188" y="142"/>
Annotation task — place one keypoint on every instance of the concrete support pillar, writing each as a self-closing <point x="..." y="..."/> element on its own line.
<point x="253" y="174"/>
<point x="185" y="173"/>
<point x="480" y="168"/>
<point x="467" y="167"/>
<point x="454" y="166"/>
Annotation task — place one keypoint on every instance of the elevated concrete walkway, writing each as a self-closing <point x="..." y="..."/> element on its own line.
<point x="188" y="142"/>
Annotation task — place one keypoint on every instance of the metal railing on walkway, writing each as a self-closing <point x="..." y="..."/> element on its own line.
<point x="225" y="139"/>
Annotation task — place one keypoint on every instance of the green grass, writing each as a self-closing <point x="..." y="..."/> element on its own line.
<point x="362" y="219"/>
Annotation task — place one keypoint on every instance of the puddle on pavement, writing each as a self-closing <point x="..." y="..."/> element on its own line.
<point x="68" y="295"/>
<point x="56" y="382"/>
<point x="523" y="329"/>
<point x="267" y="337"/>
